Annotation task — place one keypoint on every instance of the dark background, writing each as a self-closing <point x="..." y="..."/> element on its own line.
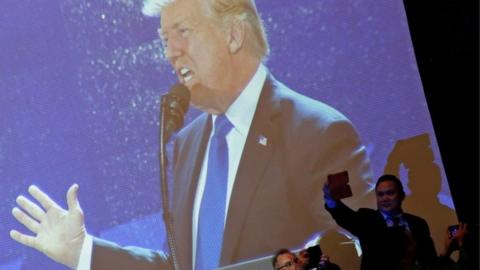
<point x="445" y="38"/>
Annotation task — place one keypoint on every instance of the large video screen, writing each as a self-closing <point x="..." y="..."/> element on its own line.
<point x="81" y="81"/>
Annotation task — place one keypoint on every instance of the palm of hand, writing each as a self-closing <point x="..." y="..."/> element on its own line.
<point x="59" y="233"/>
<point x="60" y="230"/>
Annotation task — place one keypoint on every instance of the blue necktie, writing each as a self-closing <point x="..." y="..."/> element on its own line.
<point x="212" y="208"/>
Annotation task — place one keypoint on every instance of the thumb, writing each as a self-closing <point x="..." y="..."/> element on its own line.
<point x="72" y="197"/>
<point x="326" y="188"/>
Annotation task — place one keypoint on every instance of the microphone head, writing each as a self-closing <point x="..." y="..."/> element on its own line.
<point x="174" y="107"/>
<point x="180" y="94"/>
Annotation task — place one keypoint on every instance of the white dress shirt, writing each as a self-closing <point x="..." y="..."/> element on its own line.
<point x="390" y="223"/>
<point x="240" y="114"/>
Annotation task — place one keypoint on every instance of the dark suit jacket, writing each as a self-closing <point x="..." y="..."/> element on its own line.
<point x="276" y="200"/>
<point x="382" y="247"/>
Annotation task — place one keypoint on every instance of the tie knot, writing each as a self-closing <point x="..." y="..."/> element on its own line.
<point x="222" y="125"/>
<point x="394" y="221"/>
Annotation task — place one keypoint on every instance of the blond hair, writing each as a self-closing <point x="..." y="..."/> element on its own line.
<point x="226" y="11"/>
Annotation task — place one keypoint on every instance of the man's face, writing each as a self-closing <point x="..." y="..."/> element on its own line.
<point x="389" y="198"/>
<point x="197" y="49"/>
<point x="286" y="261"/>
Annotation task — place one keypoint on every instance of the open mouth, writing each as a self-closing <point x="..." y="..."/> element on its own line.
<point x="185" y="74"/>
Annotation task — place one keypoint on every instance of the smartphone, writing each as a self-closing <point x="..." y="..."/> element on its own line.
<point x="452" y="230"/>
<point x="338" y="184"/>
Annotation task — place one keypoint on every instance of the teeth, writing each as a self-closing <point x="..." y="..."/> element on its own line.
<point x="186" y="74"/>
<point x="184" y="71"/>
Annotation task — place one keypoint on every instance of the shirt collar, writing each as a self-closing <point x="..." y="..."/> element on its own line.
<point x="241" y="112"/>
<point x="389" y="219"/>
<point x="387" y="215"/>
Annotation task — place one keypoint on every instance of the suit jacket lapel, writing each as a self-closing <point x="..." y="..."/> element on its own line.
<point x="254" y="161"/>
<point x="186" y="188"/>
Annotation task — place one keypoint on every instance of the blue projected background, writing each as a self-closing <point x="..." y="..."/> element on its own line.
<point x="80" y="83"/>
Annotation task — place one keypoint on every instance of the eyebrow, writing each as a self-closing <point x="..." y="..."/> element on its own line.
<point x="163" y="32"/>
<point x="384" y="191"/>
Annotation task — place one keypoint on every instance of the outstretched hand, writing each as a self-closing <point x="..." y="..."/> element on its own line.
<point x="59" y="233"/>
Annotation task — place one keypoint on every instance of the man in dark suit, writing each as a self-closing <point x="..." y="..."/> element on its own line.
<point x="390" y="238"/>
<point x="280" y="146"/>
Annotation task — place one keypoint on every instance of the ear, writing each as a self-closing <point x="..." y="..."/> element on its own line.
<point x="236" y="36"/>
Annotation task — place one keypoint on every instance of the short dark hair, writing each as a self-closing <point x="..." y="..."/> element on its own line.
<point x="278" y="253"/>
<point x="392" y="178"/>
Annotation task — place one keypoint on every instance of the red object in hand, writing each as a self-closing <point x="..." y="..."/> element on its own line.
<point x="338" y="184"/>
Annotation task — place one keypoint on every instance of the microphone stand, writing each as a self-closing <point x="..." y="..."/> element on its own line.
<point x="167" y="218"/>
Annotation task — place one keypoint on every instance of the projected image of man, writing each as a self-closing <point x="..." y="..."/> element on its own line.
<point x="253" y="162"/>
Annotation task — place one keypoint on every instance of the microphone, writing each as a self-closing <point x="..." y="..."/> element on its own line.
<point x="174" y="106"/>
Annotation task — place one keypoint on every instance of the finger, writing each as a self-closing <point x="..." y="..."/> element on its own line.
<point x="72" y="197"/>
<point x="42" y="197"/>
<point x="31" y="208"/>
<point x="26" y="220"/>
<point x="26" y="240"/>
